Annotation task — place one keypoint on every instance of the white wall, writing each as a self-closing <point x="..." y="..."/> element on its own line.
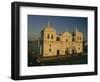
<point x="5" y="40"/>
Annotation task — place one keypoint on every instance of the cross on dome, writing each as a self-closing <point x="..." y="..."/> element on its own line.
<point x="48" y="23"/>
<point x="76" y="29"/>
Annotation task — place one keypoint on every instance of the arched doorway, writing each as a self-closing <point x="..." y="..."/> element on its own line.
<point x="73" y="51"/>
<point x="66" y="52"/>
<point x="58" y="52"/>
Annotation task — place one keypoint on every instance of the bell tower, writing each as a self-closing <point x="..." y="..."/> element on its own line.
<point x="78" y="41"/>
<point x="48" y="35"/>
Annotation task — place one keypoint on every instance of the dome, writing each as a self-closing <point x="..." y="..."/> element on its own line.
<point x="48" y="28"/>
<point x="67" y="34"/>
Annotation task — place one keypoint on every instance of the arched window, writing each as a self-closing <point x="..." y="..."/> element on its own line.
<point x="58" y="39"/>
<point x="79" y="38"/>
<point x="48" y="36"/>
<point x="49" y="50"/>
<point x="66" y="40"/>
<point x="52" y="36"/>
<point x="73" y="39"/>
<point x="50" y="45"/>
<point x="78" y="48"/>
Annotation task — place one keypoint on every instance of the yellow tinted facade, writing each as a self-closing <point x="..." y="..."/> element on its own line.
<point x="63" y="44"/>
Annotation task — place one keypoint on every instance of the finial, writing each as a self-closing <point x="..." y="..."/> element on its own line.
<point x="48" y="23"/>
<point x="76" y="29"/>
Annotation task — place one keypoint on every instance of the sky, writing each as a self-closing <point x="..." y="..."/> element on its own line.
<point x="61" y="23"/>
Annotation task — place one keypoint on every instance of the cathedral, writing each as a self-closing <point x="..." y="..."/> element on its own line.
<point x="50" y="44"/>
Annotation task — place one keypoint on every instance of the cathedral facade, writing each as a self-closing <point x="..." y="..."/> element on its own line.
<point x="50" y="44"/>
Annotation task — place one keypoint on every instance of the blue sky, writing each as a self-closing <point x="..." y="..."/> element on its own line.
<point x="61" y="23"/>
